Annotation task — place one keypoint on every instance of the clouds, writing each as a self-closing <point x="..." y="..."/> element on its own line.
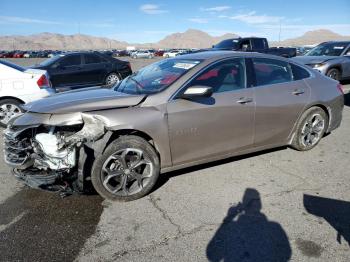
<point x="152" y="9"/>
<point x="25" y="20"/>
<point x="252" y="18"/>
<point x="220" y="8"/>
<point x="198" y="20"/>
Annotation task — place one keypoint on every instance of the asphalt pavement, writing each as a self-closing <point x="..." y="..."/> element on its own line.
<point x="276" y="205"/>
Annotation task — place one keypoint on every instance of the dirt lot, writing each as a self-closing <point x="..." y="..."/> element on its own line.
<point x="295" y="206"/>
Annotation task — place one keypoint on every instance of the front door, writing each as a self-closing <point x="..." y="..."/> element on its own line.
<point x="207" y="127"/>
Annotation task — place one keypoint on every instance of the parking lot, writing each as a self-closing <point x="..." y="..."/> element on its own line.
<point x="288" y="205"/>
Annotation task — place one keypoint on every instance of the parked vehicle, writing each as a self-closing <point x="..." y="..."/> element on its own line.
<point x="143" y="54"/>
<point x="254" y="44"/>
<point x="330" y="58"/>
<point x="159" y="53"/>
<point x="121" y="53"/>
<point x="83" y="69"/>
<point x="18" y="54"/>
<point x="171" y="53"/>
<point x="172" y="114"/>
<point x="18" y="86"/>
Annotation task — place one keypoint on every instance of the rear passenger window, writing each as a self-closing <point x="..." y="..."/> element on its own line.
<point x="299" y="72"/>
<point x="71" y="60"/>
<point x="92" y="59"/>
<point x="271" y="71"/>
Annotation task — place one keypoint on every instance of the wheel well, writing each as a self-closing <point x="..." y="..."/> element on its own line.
<point x="335" y="67"/>
<point x="126" y="132"/>
<point x="323" y="107"/>
<point x="13" y="98"/>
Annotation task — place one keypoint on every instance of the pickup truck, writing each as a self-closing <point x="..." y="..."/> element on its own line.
<point x="254" y="44"/>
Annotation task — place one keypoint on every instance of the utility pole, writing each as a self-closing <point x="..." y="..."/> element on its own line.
<point x="279" y="34"/>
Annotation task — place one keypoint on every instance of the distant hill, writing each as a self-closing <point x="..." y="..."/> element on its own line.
<point x="58" y="42"/>
<point x="312" y="37"/>
<point x="192" y="38"/>
<point x="189" y="39"/>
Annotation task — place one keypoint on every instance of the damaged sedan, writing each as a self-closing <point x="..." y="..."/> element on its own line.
<point x="172" y="114"/>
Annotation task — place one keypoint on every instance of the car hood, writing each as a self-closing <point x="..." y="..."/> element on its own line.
<point x="83" y="101"/>
<point x="307" y="60"/>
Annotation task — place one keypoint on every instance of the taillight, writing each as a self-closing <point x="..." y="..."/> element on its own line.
<point x="42" y="81"/>
<point x="340" y="88"/>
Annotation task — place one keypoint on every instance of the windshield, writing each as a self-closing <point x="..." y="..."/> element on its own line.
<point x="327" y="49"/>
<point x="51" y="60"/>
<point x="229" y="43"/>
<point x="156" y="77"/>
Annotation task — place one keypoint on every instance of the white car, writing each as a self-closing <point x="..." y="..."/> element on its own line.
<point x="18" y="86"/>
<point x="143" y="54"/>
<point x="171" y="53"/>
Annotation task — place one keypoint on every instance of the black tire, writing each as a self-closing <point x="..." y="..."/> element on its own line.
<point x="333" y="73"/>
<point x="13" y="102"/>
<point x="122" y="143"/>
<point x="298" y="142"/>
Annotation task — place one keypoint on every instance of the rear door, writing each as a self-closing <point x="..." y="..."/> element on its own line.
<point x="94" y="69"/>
<point x="280" y="99"/>
<point x="67" y="71"/>
<point x="209" y="127"/>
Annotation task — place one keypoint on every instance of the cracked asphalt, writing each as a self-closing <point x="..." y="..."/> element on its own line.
<point x="276" y="205"/>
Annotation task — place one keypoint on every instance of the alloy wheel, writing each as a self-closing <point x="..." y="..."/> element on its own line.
<point x="112" y="79"/>
<point x="126" y="172"/>
<point x="312" y="130"/>
<point x="7" y="111"/>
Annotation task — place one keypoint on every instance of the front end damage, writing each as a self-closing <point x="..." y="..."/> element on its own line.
<point x="45" y="155"/>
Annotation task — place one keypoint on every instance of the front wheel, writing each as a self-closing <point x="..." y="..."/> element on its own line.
<point x="9" y="108"/>
<point x="310" y="129"/>
<point x="127" y="170"/>
<point x="333" y="73"/>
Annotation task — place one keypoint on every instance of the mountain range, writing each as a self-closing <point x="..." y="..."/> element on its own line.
<point x="191" y="38"/>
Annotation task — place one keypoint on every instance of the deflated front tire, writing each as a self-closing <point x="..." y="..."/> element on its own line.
<point x="127" y="170"/>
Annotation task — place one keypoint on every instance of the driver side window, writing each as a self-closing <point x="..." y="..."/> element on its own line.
<point x="228" y="75"/>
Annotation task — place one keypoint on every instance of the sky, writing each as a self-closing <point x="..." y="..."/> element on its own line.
<point x="137" y="21"/>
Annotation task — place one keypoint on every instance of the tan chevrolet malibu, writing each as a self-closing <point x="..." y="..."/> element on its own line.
<point x="172" y="114"/>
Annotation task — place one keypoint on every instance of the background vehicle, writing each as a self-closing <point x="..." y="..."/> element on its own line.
<point x="254" y="44"/>
<point x="159" y="53"/>
<point x="83" y="69"/>
<point x="143" y="54"/>
<point x="171" y="53"/>
<point x="164" y="118"/>
<point x="329" y="58"/>
<point x="18" y="86"/>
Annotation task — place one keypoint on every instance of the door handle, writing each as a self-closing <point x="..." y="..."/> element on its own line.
<point x="298" y="92"/>
<point x="244" y="100"/>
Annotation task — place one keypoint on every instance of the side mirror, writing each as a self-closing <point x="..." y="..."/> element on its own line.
<point x="197" y="91"/>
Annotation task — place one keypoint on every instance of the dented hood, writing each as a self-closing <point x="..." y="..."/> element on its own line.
<point x="83" y="101"/>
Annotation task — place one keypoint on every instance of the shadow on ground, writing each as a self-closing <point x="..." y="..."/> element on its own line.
<point x="40" y="226"/>
<point x="246" y="234"/>
<point x="335" y="212"/>
<point x="164" y="178"/>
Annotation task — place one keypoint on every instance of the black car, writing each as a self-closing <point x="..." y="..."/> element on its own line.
<point x="84" y="69"/>
<point x="254" y="44"/>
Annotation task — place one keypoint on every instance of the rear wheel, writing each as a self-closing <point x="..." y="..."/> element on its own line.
<point x="333" y="73"/>
<point x="310" y="129"/>
<point x="127" y="170"/>
<point x="8" y="109"/>
<point x="112" y="79"/>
